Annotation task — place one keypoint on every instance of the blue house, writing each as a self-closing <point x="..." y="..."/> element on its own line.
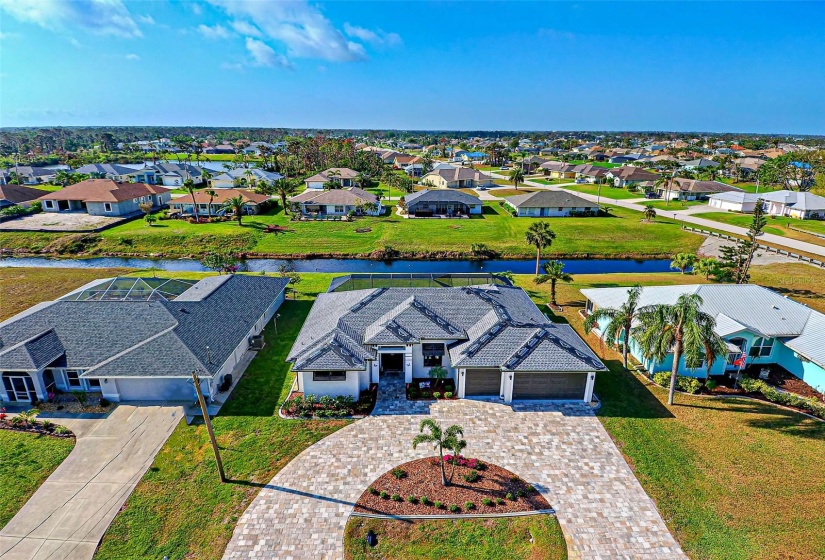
<point x="770" y="329"/>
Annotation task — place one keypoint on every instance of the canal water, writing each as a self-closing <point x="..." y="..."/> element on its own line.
<point x="571" y="266"/>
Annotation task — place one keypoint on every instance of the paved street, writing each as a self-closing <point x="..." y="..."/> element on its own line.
<point x="67" y="516"/>
<point x="562" y="450"/>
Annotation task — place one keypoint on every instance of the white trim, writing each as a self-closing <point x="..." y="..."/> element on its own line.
<point x="588" y="389"/>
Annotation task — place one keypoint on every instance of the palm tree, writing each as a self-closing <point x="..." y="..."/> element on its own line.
<point x="28" y="416"/>
<point x="516" y="175"/>
<point x="236" y="204"/>
<point x="620" y="321"/>
<point x="650" y="212"/>
<point x="683" y="261"/>
<point x="683" y="329"/>
<point x="211" y="194"/>
<point x="539" y="235"/>
<point x="706" y="267"/>
<point x="250" y="178"/>
<point x="441" y="440"/>
<point x="553" y="272"/>
<point x="63" y="178"/>
<point x="189" y="185"/>
<point x="285" y="188"/>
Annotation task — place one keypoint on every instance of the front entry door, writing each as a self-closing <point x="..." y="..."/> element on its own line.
<point x="392" y="362"/>
<point x="19" y="387"/>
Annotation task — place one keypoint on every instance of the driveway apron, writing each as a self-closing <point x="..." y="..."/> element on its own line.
<point x="561" y="449"/>
<point x="67" y="516"/>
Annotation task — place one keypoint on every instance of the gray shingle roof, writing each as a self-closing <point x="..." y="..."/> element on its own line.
<point x="140" y="338"/>
<point x="441" y="195"/>
<point x="549" y="199"/>
<point x="492" y="326"/>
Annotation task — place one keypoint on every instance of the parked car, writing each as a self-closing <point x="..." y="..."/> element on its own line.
<point x="504" y="168"/>
<point x="651" y="195"/>
<point x="580" y="181"/>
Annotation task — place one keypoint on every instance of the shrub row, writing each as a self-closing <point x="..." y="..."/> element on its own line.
<point x="683" y="383"/>
<point x="782" y="397"/>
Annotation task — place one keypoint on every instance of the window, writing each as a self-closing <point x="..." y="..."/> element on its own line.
<point x="73" y="378"/>
<point x="48" y="204"/>
<point x="93" y="383"/>
<point x="329" y="376"/>
<point x="339" y="209"/>
<point x="433" y="354"/>
<point x="107" y="207"/>
<point x="761" y="347"/>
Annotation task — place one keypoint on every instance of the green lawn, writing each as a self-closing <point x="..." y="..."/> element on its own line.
<point x="623" y="235"/>
<point x="776" y="226"/>
<point x="26" y="460"/>
<point x="673" y="204"/>
<point x="606" y="191"/>
<point x="605" y="164"/>
<point x="544" y="181"/>
<point x="180" y="509"/>
<point x="749" y="187"/>
<point x="47" y="187"/>
<point x="463" y="539"/>
<point x="501" y="193"/>
<point x="382" y="189"/>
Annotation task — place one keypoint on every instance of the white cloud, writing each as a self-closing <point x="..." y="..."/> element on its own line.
<point x="246" y="28"/>
<point x="302" y="28"/>
<point x="217" y="32"/>
<point x="132" y="56"/>
<point x="377" y="37"/>
<point x="196" y="8"/>
<point x="103" y="17"/>
<point x="237" y="66"/>
<point x="264" y="55"/>
<point x="147" y="19"/>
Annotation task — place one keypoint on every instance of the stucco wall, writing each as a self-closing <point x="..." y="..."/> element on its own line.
<point x="419" y="370"/>
<point x="349" y="387"/>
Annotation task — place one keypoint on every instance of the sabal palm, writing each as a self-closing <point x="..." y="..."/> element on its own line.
<point x="285" y="188"/>
<point x="189" y="185"/>
<point x="539" y="235"/>
<point x="683" y="329"/>
<point x="211" y="194"/>
<point x="650" y="212"/>
<point x="553" y="273"/>
<point x="706" y="267"/>
<point x="516" y="176"/>
<point x="236" y="204"/>
<point x="683" y="261"/>
<point x="619" y="321"/>
<point x="449" y="439"/>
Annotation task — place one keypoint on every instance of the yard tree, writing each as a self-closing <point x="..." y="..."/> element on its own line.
<point x="189" y="185"/>
<point x="539" y="235"/>
<point x="736" y="259"/>
<point x="619" y="321"/>
<point x="706" y="267"/>
<point x="516" y="176"/>
<point x="220" y="262"/>
<point x="553" y="273"/>
<point x="284" y="189"/>
<point x="683" y="261"/>
<point x="150" y="219"/>
<point x="449" y="439"/>
<point x="681" y="328"/>
<point x="236" y="205"/>
<point x="650" y="212"/>
<point x="211" y="194"/>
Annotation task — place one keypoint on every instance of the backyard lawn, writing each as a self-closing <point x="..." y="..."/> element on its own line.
<point x="606" y="191"/>
<point x="776" y="226"/>
<point x="673" y="204"/>
<point x="621" y="235"/>
<point x="516" y="538"/>
<point x="749" y="187"/>
<point x="501" y="193"/>
<point x="544" y="181"/>
<point x="25" y="462"/>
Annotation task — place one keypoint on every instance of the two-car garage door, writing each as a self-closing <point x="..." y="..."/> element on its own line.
<point x="545" y="385"/>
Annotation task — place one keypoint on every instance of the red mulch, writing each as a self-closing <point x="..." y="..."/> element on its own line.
<point x="424" y="479"/>
<point x="790" y="382"/>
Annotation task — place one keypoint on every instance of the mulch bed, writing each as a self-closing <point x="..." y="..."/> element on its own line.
<point x="34" y="429"/>
<point x="362" y="407"/>
<point x="423" y="479"/>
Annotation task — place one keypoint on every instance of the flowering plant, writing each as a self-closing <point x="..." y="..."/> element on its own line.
<point x="461" y="461"/>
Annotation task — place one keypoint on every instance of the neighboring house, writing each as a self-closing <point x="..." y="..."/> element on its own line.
<point x="767" y="327"/>
<point x="492" y="340"/>
<point x="240" y="177"/>
<point x="136" y="339"/>
<point x="255" y="147"/>
<point x="402" y="161"/>
<point x="113" y="171"/>
<point x="621" y="159"/>
<point x="344" y="176"/>
<point x="442" y="165"/>
<point x="692" y="189"/>
<point x="105" y="197"/>
<point x="733" y="201"/>
<point x="700" y="163"/>
<point x="414" y="170"/>
<point x="456" y="178"/>
<point x="208" y="205"/>
<point x="28" y="175"/>
<point x="590" y="173"/>
<point x="473" y="156"/>
<point x="220" y="149"/>
<point x="457" y="154"/>
<point x="336" y="202"/>
<point x="792" y="204"/>
<point x="628" y="176"/>
<point x="549" y="204"/>
<point x="432" y="202"/>
<point x="174" y="174"/>
<point x="559" y="169"/>
<point x="532" y="163"/>
<point x="18" y="195"/>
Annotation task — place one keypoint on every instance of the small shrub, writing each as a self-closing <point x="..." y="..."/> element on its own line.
<point x="448" y="395"/>
<point x="436" y="395"/>
<point x="384" y="495"/>
<point x="47" y="425"/>
<point x="104" y="402"/>
<point x="398" y="473"/>
<point x="487" y="502"/>
<point x="413" y="392"/>
<point x="425" y="500"/>
<point x="499" y="501"/>
<point x="438" y="505"/>
<point x="520" y="493"/>
<point x="711" y="384"/>
<point x="510" y="496"/>
<point x="469" y="505"/>
<point x="412" y="499"/>
<point x="373" y="491"/>
<point x="472" y="476"/>
<point x="454" y="508"/>
<point x="62" y="430"/>
<point x="529" y="489"/>
<point x="683" y="383"/>
<point x="396" y="498"/>
<point x="514" y="478"/>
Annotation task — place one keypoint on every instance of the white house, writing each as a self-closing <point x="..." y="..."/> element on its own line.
<point x="240" y="177"/>
<point x="551" y="204"/>
<point x="792" y="204"/>
<point x="337" y="202"/>
<point x="343" y="176"/>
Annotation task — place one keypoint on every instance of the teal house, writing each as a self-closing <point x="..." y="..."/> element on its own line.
<point x="768" y="328"/>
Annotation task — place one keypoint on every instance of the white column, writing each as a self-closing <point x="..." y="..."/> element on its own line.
<point x="375" y="375"/>
<point x="507" y="386"/>
<point x="408" y="364"/>
<point x="39" y="386"/>
<point x="588" y="390"/>
<point x="462" y="382"/>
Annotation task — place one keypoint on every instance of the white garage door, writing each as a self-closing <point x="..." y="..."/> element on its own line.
<point x="155" y="390"/>
<point x="541" y="385"/>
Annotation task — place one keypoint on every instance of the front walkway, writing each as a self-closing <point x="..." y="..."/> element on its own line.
<point x="67" y="516"/>
<point x="562" y="450"/>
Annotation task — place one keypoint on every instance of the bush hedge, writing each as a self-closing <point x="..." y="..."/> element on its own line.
<point x="683" y="383"/>
<point x="781" y="397"/>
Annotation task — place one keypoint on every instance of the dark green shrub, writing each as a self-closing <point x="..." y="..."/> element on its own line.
<point x="396" y="498"/>
<point x="412" y="499"/>
<point x="487" y="502"/>
<point x="448" y="395"/>
<point x="499" y="501"/>
<point x="438" y="505"/>
<point x="529" y="489"/>
<point x="510" y="496"/>
<point x="384" y="495"/>
<point x="425" y="500"/>
<point x="398" y="473"/>
<point x="469" y="505"/>
<point x="711" y="384"/>
<point x="520" y="493"/>
<point x="472" y="476"/>
<point x="373" y="491"/>
<point x="454" y="508"/>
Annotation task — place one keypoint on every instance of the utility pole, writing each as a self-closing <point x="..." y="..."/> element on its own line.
<point x="208" y="422"/>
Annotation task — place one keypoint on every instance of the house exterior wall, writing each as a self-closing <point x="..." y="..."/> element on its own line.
<point x="348" y="388"/>
<point x="118" y="208"/>
<point x="315" y="185"/>
<point x="418" y="367"/>
<point x="731" y="206"/>
<point x="548" y="212"/>
<point x="223" y="184"/>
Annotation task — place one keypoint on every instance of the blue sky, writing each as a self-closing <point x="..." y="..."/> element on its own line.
<point x="729" y="66"/>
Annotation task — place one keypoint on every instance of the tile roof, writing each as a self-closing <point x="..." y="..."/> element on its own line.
<point x="345" y="196"/>
<point x="630" y="173"/>
<point x="459" y="173"/>
<point x="549" y="199"/>
<point x="342" y="173"/>
<point x="103" y="190"/>
<point x="105" y="168"/>
<point x="491" y="326"/>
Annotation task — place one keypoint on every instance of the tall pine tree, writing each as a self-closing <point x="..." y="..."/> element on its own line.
<point x="736" y="259"/>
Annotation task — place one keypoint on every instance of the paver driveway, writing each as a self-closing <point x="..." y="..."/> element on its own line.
<point x="562" y="450"/>
<point x="67" y="516"/>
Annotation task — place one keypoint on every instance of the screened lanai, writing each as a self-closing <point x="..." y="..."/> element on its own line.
<point x="133" y="289"/>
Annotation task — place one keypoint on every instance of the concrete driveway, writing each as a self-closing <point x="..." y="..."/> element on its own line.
<point x="67" y="516"/>
<point x="562" y="450"/>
